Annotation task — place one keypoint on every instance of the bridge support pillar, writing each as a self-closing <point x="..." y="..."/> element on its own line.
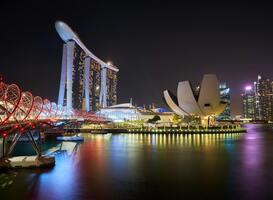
<point x="7" y="151"/>
<point x="34" y="144"/>
<point x="2" y="142"/>
<point x="13" y="143"/>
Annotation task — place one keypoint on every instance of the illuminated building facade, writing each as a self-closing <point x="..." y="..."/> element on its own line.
<point x="121" y="112"/>
<point x="94" y="85"/>
<point x="264" y="98"/>
<point x="128" y="112"/>
<point x="225" y="97"/>
<point x="87" y="83"/>
<point x="111" y="87"/>
<point x="207" y="105"/>
<point x="78" y="78"/>
<point x="249" y="103"/>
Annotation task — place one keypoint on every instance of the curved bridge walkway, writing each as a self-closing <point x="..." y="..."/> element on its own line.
<point x="21" y="113"/>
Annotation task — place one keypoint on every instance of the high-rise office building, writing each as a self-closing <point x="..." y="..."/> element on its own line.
<point x="225" y="97"/>
<point x="249" y="103"/>
<point x="87" y="83"/>
<point x="263" y="99"/>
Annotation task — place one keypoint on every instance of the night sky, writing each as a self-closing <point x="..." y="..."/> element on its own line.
<point x="154" y="44"/>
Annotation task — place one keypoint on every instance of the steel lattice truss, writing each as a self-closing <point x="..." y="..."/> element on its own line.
<point x="21" y="111"/>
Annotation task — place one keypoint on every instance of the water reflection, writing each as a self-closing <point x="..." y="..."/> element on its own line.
<point x="137" y="166"/>
<point x="65" y="147"/>
<point x="165" y="140"/>
<point x="252" y="164"/>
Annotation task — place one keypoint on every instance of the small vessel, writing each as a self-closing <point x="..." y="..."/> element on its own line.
<point x="70" y="138"/>
<point x="102" y="131"/>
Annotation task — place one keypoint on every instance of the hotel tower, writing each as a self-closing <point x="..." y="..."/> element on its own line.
<point x="87" y="83"/>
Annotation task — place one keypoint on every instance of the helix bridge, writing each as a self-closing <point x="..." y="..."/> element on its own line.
<point x="22" y="114"/>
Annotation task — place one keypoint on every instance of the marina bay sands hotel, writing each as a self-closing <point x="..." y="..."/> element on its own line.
<point x="87" y="83"/>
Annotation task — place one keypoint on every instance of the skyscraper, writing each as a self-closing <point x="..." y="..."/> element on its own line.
<point x="87" y="83"/>
<point x="264" y="98"/>
<point x="249" y="103"/>
<point x="225" y="97"/>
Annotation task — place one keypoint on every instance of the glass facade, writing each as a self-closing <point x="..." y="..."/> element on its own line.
<point x="111" y="87"/>
<point x="225" y="97"/>
<point x="94" y="85"/>
<point x="81" y="81"/>
<point x="264" y="99"/>
<point x="120" y="114"/>
<point x="249" y="103"/>
<point x="78" y="78"/>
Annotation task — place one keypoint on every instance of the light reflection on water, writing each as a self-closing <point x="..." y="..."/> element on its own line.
<point x="136" y="166"/>
<point x="163" y="140"/>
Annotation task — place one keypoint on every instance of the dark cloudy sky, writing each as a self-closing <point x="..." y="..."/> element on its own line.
<point x="154" y="43"/>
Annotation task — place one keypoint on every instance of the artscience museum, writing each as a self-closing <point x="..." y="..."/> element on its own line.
<point x="203" y="103"/>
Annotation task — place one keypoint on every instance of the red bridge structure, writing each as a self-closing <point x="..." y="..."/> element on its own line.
<point x="21" y="113"/>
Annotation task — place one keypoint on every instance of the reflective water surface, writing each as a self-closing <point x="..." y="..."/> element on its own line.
<point x="150" y="166"/>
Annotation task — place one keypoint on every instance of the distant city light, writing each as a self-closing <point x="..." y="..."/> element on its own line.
<point x="248" y="88"/>
<point x="109" y="63"/>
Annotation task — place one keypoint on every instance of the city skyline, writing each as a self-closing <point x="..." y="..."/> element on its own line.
<point x="257" y="99"/>
<point x="136" y="100"/>
<point x="235" y="46"/>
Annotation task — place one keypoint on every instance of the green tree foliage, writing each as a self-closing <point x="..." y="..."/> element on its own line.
<point x="176" y="119"/>
<point x="154" y="119"/>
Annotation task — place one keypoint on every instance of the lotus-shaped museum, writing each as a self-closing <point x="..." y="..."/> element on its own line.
<point x="204" y="102"/>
